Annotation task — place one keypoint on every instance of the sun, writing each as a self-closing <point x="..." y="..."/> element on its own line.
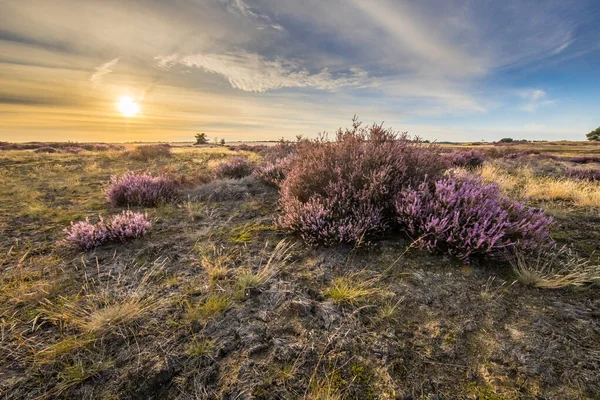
<point x="128" y="107"/>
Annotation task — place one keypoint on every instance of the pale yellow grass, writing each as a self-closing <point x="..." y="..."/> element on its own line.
<point x="523" y="181"/>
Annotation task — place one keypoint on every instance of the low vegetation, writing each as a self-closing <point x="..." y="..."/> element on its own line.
<point x="369" y="266"/>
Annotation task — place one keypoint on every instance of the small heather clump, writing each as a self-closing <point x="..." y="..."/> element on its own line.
<point x="87" y="236"/>
<point x="73" y="149"/>
<point x="469" y="159"/>
<point x="236" y="168"/>
<point x="343" y="191"/>
<point x="120" y="228"/>
<point x="127" y="226"/>
<point x="464" y="218"/>
<point x="273" y="173"/>
<point x="140" y="190"/>
<point x="584" y="159"/>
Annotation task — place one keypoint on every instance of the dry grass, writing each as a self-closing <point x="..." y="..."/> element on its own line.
<point x="522" y="181"/>
<point x="248" y="280"/>
<point x="213" y="306"/>
<point x="352" y="289"/>
<point x="553" y="268"/>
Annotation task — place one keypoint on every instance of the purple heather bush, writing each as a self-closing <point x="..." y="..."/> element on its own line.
<point x="469" y="159"/>
<point x="464" y="217"/>
<point x="87" y="236"/>
<point x="273" y="173"/>
<point x="583" y="174"/>
<point x="45" y="149"/>
<point x="120" y="228"/>
<point x="141" y="190"/>
<point x="343" y="191"/>
<point x="235" y="167"/>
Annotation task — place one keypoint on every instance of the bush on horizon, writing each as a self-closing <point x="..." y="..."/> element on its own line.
<point x="140" y="190"/>
<point x="122" y="227"/>
<point x="463" y="217"/>
<point x="343" y="191"/>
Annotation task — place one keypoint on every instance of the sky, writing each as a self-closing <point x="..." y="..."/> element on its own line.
<point x="446" y="70"/>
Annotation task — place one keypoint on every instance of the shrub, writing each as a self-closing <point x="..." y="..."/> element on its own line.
<point x="45" y="149"/>
<point x="127" y="226"/>
<point x="464" y="217"/>
<point x="506" y="140"/>
<point x="469" y="159"/>
<point x="86" y="235"/>
<point x="235" y="167"/>
<point x="150" y="152"/>
<point x="73" y="149"/>
<point x="273" y="173"/>
<point x="120" y="228"/>
<point x="343" y="191"/>
<point x="140" y="190"/>
<point x="583" y="174"/>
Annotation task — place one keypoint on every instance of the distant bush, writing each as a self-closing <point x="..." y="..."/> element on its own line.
<point x="235" y="167"/>
<point x="122" y="227"/>
<point x="226" y="189"/>
<point x="343" y="191"/>
<point x="73" y="149"/>
<point x="583" y="174"/>
<point x="584" y="159"/>
<point x="464" y="218"/>
<point x="506" y="140"/>
<point x="45" y="149"/>
<point x="274" y="173"/>
<point x="469" y="159"/>
<point x="594" y="135"/>
<point x="150" y="152"/>
<point x="140" y="190"/>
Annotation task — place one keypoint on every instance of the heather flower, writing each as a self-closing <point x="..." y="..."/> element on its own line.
<point x="236" y="168"/>
<point x="127" y="226"/>
<point x="343" y="191"/>
<point x="583" y="174"/>
<point x="469" y="159"/>
<point x="273" y="173"/>
<point x="86" y="235"/>
<point x="122" y="227"/>
<point x="140" y="190"/>
<point x="464" y="217"/>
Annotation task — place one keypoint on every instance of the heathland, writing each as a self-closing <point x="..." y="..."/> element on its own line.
<point x="368" y="266"/>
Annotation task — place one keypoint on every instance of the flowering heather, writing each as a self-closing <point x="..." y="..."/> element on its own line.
<point x="122" y="227"/>
<point x="140" y="190"/>
<point x="343" y="191"/>
<point x="464" y="217"/>
<point x="469" y="159"/>
<point x="584" y="159"/>
<point x="86" y="235"/>
<point x="236" y="167"/>
<point x="583" y="174"/>
<point x="273" y="173"/>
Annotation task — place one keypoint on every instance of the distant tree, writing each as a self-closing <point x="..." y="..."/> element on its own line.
<point x="222" y="142"/>
<point x="506" y="140"/>
<point x="201" y="138"/>
<point x="594" y="135"/>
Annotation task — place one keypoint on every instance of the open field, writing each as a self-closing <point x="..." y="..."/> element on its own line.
<point x="217" y="301"/>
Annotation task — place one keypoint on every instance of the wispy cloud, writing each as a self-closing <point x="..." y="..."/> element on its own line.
<point x="103" y="70"/>
<point x="251" y="72"/>
<point x="535" y="99"/>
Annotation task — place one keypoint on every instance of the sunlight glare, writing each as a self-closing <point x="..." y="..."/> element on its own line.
<point x="128" y="107"/>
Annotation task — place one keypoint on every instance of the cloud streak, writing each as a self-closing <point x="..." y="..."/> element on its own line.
<point x="102" y="70"/>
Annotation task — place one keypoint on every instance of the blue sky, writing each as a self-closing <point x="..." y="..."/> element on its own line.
<point x="262" y="69"/>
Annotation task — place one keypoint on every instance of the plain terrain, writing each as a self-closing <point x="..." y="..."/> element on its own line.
<point x="216" y="302"/>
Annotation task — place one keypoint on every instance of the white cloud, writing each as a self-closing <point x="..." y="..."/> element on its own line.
<point x="103" y="70"/>
<point x="535" y="99"/>
<point x="251" y="72"/>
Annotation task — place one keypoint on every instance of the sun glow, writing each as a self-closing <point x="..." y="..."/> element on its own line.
<point x="128" y="107"/>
